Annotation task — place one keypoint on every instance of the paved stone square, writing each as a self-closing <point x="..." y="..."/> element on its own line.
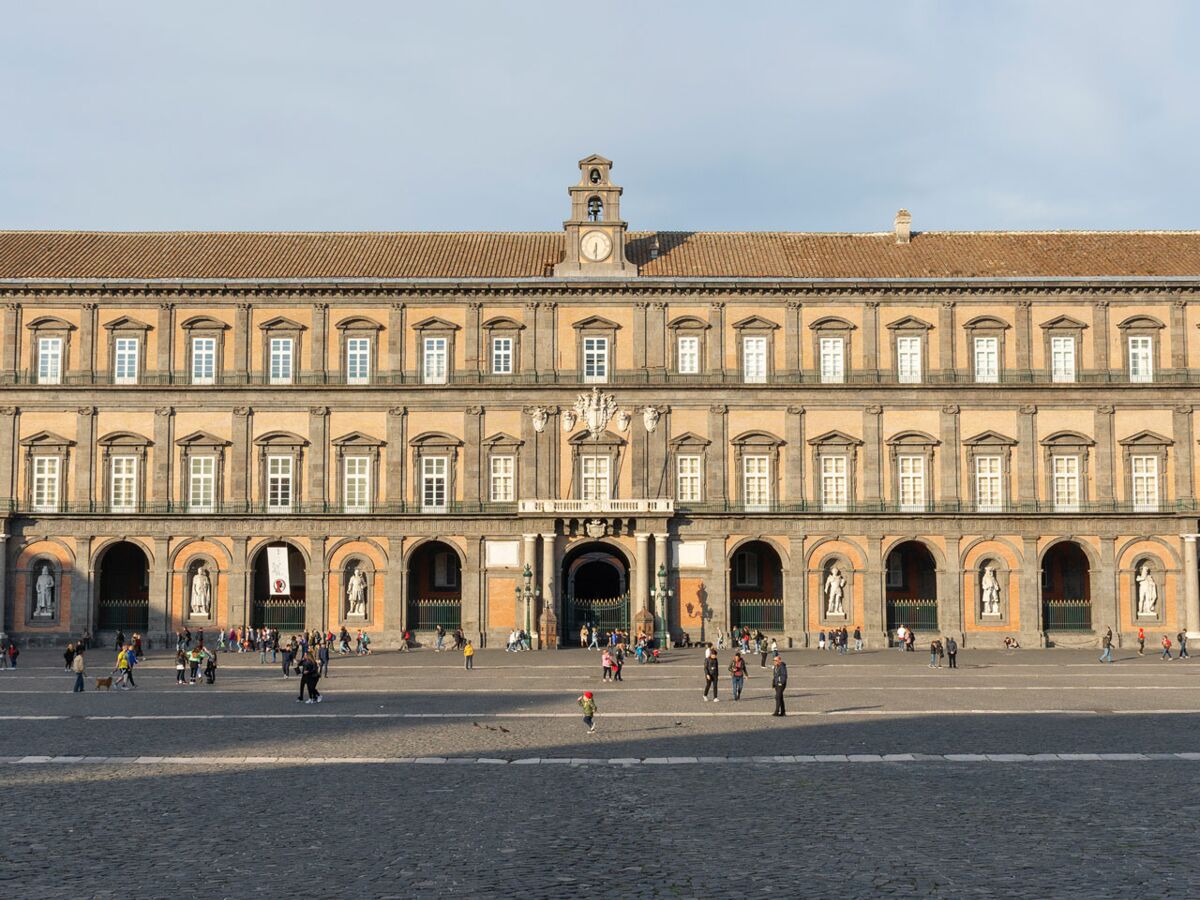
<point x="1026" y="774"/>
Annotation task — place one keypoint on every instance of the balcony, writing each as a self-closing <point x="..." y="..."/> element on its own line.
<point x="607" y="506"/>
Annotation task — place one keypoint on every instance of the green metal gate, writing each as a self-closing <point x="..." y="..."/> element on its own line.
<point x="917" y="613"/>
<point x="1067" y="615"/>
<point x="123" y="615"/>
<point x="758" y="613"/>
<point x="284" y="613"/>
<point x="604" y="613"/>
<point x="426" y="614"/>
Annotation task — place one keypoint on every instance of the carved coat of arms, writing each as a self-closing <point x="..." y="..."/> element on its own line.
<point x="596" y="409"/>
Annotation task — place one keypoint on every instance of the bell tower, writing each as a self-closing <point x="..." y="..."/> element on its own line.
<point x="595" y="234"/>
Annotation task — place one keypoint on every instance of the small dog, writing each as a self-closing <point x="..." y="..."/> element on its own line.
<point x="105" y="683"/>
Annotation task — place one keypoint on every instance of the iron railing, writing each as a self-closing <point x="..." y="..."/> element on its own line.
<point x="603" y="613"/>
<point x="917" y="613"/>
<point x="285" y="613"/>
<point x="1067" y="615"/>
<point x="123" y="614"/>
<point x="757" y="613"/>
<point x="427" y="613"/>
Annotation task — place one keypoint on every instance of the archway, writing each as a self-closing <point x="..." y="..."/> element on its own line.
<point x="911" y="588"/>
<point x="123" y="602"/>
<point x="1066" y="589"/>
<point x="595" y="579"/>
<point x="756" y="588"/>
<point x="434" y="587"/>
<point x="269" y="609"/>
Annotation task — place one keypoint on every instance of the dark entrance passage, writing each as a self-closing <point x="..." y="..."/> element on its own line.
<point x="434" y="588"/>
<point x="756" y="588"/>
<point x="285" y="612"/>
<point x="124" y="597"/>
<point x="1066" y="589"/>
<point x="911" y="588"/>
<point x="595" y="591"/>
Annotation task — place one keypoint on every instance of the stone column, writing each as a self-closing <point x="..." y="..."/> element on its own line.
<point x="1100" y="334"/>
<point x="472" y="596"/>
<point x="9" y="453"/>
<point x="793" y="353"/>
<point x="1104" y="591"/>
<point x="716" y="586"/>
<point x="949" y="589"/>
<point x="870" y="337"/>
<point x="872" y="455"/>
<point x="164" y="449"/>
<point x="639" y="440"/>
<point x="318" y="450"/>
<point x="318" y="350"/>
<point x="1179" y="346"/>
<point x="716" y="478"/>
<point x="946" y="344"/>
<point x="874" y="615"/>
<point x="1024" y="337"/>
<point x="1181" y="420"/>
<point x="158" y="626"/>
<point x="548" y="629"/>
<point x="662" y="560"/>
<point x="793" y="482"/>
<point x="240" y="493"/>
<point x="396" y="455"/>
<point x="9" y="618"/>
<point x="544" y="338"/>
<point x="85" y="359"/>
<point x="165" y="341"/>
<point x="85" y="452"/>
<point x="1030" y="601"/>
<point x="1027" y="454"/>
<point x="238" y="586"/>
<point x="10" y="350"/>
<point x="795" y="597"/>
<point x="716" y="337"/>
<point x="394" y="598"/>
<point x="241" y="342"/>
<point x="474" y="488"/>
<point x="639" y="335"/>
<point x="1104" y="453"/>
<point x="83" y="589"/>
<point x="529" y="339"/>
<point x="656" y="336"/>
<point x="395" y="344"/>
<point x="1191" y="586"/>
<point x="641" y="576"/>
<point x="314" y="587"/>
<point x="471" y="337"/>
<point x="950" y="450"/>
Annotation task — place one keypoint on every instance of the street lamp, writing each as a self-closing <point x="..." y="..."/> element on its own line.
<point x="661" y="598"/>
<point x="528" y="595"/>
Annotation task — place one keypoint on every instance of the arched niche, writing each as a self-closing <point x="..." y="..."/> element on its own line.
<point x="195" y="608"/>
<point x="988" y="609"/>
<point x="49" y="611"/>
<point x="1145" y="586"/>
<point x="843" y="578"/>
<point x="356" y="613"/>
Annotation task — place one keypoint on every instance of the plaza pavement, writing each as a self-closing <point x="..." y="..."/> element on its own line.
<point x="1035" y="773"/>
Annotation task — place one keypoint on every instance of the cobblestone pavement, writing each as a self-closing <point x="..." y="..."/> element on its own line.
<point x="1079" y="824"/>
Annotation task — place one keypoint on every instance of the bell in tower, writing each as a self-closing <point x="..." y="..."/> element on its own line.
<point x="595" y="234"/>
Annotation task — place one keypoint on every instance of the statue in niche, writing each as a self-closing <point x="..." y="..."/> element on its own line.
<point x="1147" y="592"/>
<point x="201" y="603"/>
<point x="835" y="591"/>
<point x="356" y="593"/>
<point x="990" y="585"/>
<point x="44" y="593"/>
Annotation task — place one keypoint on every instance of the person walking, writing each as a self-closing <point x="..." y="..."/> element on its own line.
<point x="210" y="667"/>
<point x="593" y="638"/>
<point x="821" y="640"/>
<point x="711" y="670"/>
<point x="933" y="653"/>
<point x="1182" y="638"/>
<point x="605" y="665"/>
<point x="857" y="639"/>
<point x="1141" y="641"/>
<point x="1166" y="645"/>
<point x="288" y="656"/>
<point x="588" y="702"/>
<point x="77" y="666"/>
<point x="952" y="652"/>
<point x="122" y="670"/>
<point x="1107" y="643"/>
<point x="738" y="675"/>
<point x="763" y="650"/>
<point x="618" y="662"/>
<point x="323" y="658"/>
<point x="180" y="667"/>
<point x="469" y="655"/>
<point x="779" y="683"/>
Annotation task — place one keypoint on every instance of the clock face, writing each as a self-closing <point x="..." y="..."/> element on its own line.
<point x="596" y="246"/>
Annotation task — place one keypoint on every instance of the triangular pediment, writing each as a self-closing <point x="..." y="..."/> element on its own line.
<point x="1067" y="439"/>
<point x="206" y="323"/>
<point x="357" y="439"/>
<point x="502" y="438"/>
<point x="837" y="438"/>
<point x="991" y="439"/>
<point x="281" y="438"/>
<point x="595" y="160"/>
<point x="598" y="322"/>
<point x="689" y="439"/>
<point x="202" y="439"/>
<point x="1146" y="438"/>
<point x="913" y="438"/>
<point x="758" y="438"/>
<point x="1064" y="322"/>
<point x="127" y="323"/>
<point x="124" y="439"/>
<point x="755" y="323"/>
<point x="605" y="438"/>
<point x="46" y="439"/>
<point x="281" y="323"/>
<point x="435" y="323"/>
<point x="910" y="323"/>
<point x="359" y="323"/>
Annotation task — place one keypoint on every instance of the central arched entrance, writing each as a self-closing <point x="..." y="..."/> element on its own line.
<point x="123" y="602"/>
<point x="595" y="580"/>
<point x="911" y="588"/>
<point x="756" y="588"/>
<point x="434" y="587"/>
<point x="1066" y="589"/>
<point x="274" y="610"/>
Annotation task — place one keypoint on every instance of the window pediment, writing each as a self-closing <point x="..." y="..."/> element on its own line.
<point x="989" y="439"/>
<point x="358" y="323"/>
<point x="910" y="323"/>
<point x="1146" y="438"/>
<point x="986" y="322"/>
<point x="1064" y="323"/>
<point x="435" y="439"/>
<point x="689" y="439"/>
<point x="502" y="439"/>
<point x="124" y="439"/>
<point x="281" y="323"/>
<point x="47" y="439"/>
<point x="502" y="323"/>
<point x="127" y="323"/>
<point x="912" y="439"/>
<point x="755" y="323"/>
<point x="357" y="439"/>
<point x="434" y="323"/>
<point x="50" y="323"/>
<point x="204" y="323"/>
<point x="834" y="439"/>
<point x="202" y="439"/>
<point x="585" y="439"/>
<point x="1067" y="439"/>
<point x="1140" y="321"/>
<point x="598" y="323"/>
<point x="832" y="323"/>
<point x="688" y="322"/>
<point x="280" y="439"/>
<point x="757" y="439"/>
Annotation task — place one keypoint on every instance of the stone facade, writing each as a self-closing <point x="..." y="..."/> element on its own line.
<point x="754" y="432"/>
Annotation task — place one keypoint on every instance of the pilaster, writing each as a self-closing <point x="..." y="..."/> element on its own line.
<point x="794" y="446"/>
<point x="315" y="578"/>
<point x="1100" y="334"/>
<point x="9" y="455"/>
<point x="716" y="337"/>
<point x="639" y="336"/>
<point x="318" y="348"/>
<point x="715" y="607"/>
<point x="10" y="349"/>
<point x="795" y="597"/>
<point x="949" y="589"/>
<point x="874" y="618"/>
<point x="474" y="488"/>
<point x="158" y="625"/>
<point x="544" y="337"/>
<point x="1191" y="585"/>
<point x="656" y="336"/>
<point x="658" y="481"/>
<point x="946" y="334"/>
<point x="472" y="594"/>
<point x="1179" y="335"/>
<point x="641" y="569"/>
<point x="241" y="341"/>
<point x="395" y="595"/>
<point x="397" y="421"/>
<point x="471" y="337"/>
<point x="872" y="455"/>
<point x="529" y="339"/>
<point x="1181" y="420"/>
<point x="1024" y="336"/>
<point x="717" y="479"/>
<point x="85" y="359"/>
<point x="395" y="341"/>
<point x="792" y="351"/>
<point x="239" y="578"/>
<point x="1027" y="453"/>
<point x="239" y="484"/>
<point x="1030" y="601"/>
<point x="1104" y="452"/>
<point x="1104" y="591"/>
<point x="951" y="482"/>
<point x="164" y="447"/>
<point x="870" y="336"/>
<point x="318" y="452"/>
<point x="85" y="453"/>
<point x="548" y="626"/>
<point x="165" y="340"/>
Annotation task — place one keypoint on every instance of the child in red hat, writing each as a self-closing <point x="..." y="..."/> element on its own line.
<point x="589" y="711"/>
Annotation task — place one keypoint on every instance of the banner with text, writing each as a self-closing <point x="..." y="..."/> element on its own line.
<point x="277" y="571"/>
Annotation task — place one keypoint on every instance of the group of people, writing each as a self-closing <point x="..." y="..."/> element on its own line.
<point x="839" y="639"/>
<point x="739" y="672"/>
<point x="939" y="650"/>
<point x="439" y="639"/>
<point x="518" y="639"/>
<point x="591" y="637"/>
<point x="122" y="673"/>
<point x="1181" y="639"/>
<point x="190" y="661"/>
<point x="8" y="652"/>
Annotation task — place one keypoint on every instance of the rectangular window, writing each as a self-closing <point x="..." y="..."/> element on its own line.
<point x="987" y="360"/>
<point x="595" y="477"/>
<point x="435" y="480"/>
<point x="988" y="484"/>
<point x="281" y="361"/>
<point x="445" y="570"/>
<point x="756" y="485"/>
<point x="434" y="361"/>
<point x="49" y="361"/>
<point x="1141" y="359"/>
<point x="833" y="362"/>
<point x="745" y="569"/>
<point x="835" y="492"/>
<point x="502" y="489"/>
<point x="687" y="479"/>
<point x="1145" y="483"/>
<point x="754" y="360"/>
<point x="204" y="360"/>
<point x="895" y="571"/>
<point x="45" y="491"/>
<point x="125" y="364"/>
<point x="1066" y="483"/>
<point x="595" y="359"/>
<point x="912" y="483"/>
<point x="358" y="360"/>
<point x="356" y="484"/>
<point x="908" y="360"/>
<point x="279" y="483"/>
<point x="123" y="483"/>
<point x="202" y="484"/>
<point x="687" y="355"/>
<point x="502" y="356"/>
<point x="1062" y="359"/>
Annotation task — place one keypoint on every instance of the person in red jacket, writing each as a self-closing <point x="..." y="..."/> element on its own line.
<point x="1141" y="642"/>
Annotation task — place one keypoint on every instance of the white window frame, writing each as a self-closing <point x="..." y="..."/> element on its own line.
<point x="126" y="351"/>
<point x="688" y="480"/>
<point x="502" y="355"/>
<point x="687" y="354"/>
<point x="756" y="482"/>
<point x="595" y="360"/>
<point x="358" y="360"/>
<point x="46" y="490"/>
<point x="50" y="359"/>
<point x="280" y="483"/>
<point x="202" y="484"/>
<point x="985" y="358"/>
<point x="754" y="359"/>
<point x="595" y="477"/>
<point x="908" y="359"/>
<point x="122" y="484"/>
<point x="1065" y="482"/>
<point x="435" y="484"/>
<point x="833" y="360"/>
<point x="502" y="479"/>
<point x="989" y="484"/>
<point x="835" y="483"/>
<point x="281" y="364"/>
<point x="356" y="484"/>
<point x="204" y="360"/>
<point x="1062" y="359"/>
<point x="435" y="362"/>
<point x="1141" y="359"/>
<point x="910" y="481"/>
<point x="1144" y="481"/>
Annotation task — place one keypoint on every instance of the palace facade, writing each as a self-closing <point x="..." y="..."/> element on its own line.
<point x="983" y="434"/>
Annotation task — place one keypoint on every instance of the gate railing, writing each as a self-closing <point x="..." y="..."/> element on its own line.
<point x="1067" y="615"/>
<point x="124" y="614"/>
<point x="758" y="613"/>
<point x="284" y="613"/>
<point x="604" y="613"/>
<point x="917" y="613"/>
<point x="427" y="613"/>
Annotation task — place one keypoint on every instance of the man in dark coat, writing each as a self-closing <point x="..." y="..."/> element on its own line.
<point x="779" y="682"/>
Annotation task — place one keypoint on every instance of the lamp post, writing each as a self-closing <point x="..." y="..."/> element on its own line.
<point x="528" y="595"/>
<point x="661" y="598"/>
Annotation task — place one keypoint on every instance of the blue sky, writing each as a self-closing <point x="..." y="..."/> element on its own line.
<point x="451" y="115"/>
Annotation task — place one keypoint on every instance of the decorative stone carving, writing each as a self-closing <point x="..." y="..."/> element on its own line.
<point x="623" y="420"/>
<point x="43" y="588"/>
<point x="874" y="410"/>
<point x="650" y="416"/>
<point x="540" y="416"/>
<point x="795" y="410"/>
<point x="8" y="410"/>
<point x="201" y="603"/>
<point x="595" y="528"/>
<point x="1184" y="409"/>
<point x="86" y="410"/>
<point x="474" y="410"/>
<point x="318" y="411"/>
<point x="596" y="409"/>
<point x="990" y="590"/>
<point x="1027" y="409"/>
<point x="1106" y="409"/>
<point x="356" y="594"/>
<point x="1147" y="592"/>
<point x="397" y="411"/>
<point x="718" y="409"/>
<point x="835" y="590"/>
<point x="241" y="411"/>
<point x="568" y="420"/>
<point x="951" y="409"/>
<point x="164" y="411"/>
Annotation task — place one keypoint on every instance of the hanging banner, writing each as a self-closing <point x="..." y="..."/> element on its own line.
<point x="277" y="571"/>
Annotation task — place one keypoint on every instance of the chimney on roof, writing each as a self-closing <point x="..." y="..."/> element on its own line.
<point x="903" y="226"/>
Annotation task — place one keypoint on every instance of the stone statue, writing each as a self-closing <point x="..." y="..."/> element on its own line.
<point x="44" y="589"/>
<point x="201" y="593"/>
<point x="991" y="592"/>
<point x="650" y="418"/>
<point x="1147" y="592"/>
<point x="356" y="593"/>
<point x="835" y="587"/>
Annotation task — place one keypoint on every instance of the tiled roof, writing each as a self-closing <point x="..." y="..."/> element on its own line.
<point x="333" y="255"/>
